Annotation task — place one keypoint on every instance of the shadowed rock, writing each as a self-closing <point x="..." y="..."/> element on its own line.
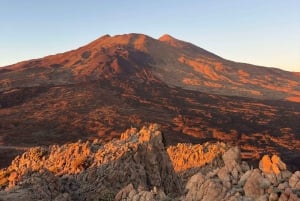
<point x="91" y="169"/>
<point x="138" y="167"/>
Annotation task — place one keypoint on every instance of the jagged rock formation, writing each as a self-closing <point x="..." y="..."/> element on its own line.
<point x="89" y="170"/>
<point x="187" y="156"/>
<point x="139" y="167"/>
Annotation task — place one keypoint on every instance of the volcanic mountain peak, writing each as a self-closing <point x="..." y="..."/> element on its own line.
<point x="170" y="40"/>
<point x="166" y="37"/>
<point x="128" y="41"/>
<point x="140" y="57"/>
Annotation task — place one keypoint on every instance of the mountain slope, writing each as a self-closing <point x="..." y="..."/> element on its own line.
<point x="175" y="62"/>
<point x="116" y="82"/>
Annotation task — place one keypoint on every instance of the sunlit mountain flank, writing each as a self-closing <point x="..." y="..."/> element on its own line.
<point x="126" y="80"/>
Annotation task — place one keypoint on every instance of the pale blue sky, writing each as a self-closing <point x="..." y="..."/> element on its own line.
<point x="262" y="32"/>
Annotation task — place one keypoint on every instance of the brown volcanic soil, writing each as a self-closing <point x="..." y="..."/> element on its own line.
<point x="116" y="82"/>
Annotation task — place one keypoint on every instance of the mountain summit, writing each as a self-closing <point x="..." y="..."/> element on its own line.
<point x="116" y="82"/>
<point x="172" y="41"/>
<point x="174" y="62"/>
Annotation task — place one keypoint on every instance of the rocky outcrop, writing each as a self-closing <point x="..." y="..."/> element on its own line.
<point x="237" y="181"/>
<point x="90" y="170"/>
<point x="202" y="188"/>
<point x="271" y="165"/>
<point x="256" y="184"/>
<point x="138" y="167"/>
<point x="186" y="156"/>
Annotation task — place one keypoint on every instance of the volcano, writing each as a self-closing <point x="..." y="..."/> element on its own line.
<point x="116" y="82"/>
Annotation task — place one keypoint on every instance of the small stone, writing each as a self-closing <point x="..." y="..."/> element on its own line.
<point x="224" y="175"/>
<point x="273" y="197"/>
<point x="231" y="158"/>
<point x="283" y="186"/>
<point x="286" y="174"/>
<point x="244" y="178"/>
<point x="272" y="178"/>
<point x="264" y="183"/>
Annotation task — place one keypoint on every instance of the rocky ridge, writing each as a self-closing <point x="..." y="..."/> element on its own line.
<point x="138" y="166"/>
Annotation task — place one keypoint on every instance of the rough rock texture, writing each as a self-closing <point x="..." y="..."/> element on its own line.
<point x="294" y="180"/>
<point x="256" y="184"/>
<point x="237" y="181"/>
<point x="271" y="165"/>
<point x="91" y="170"/>
<point x="129" y="193"/>
<point x="138" y="167"/>
<point x="42" y="185"/>
<point x="201" y="188"/>
<point x="186" y="156"/>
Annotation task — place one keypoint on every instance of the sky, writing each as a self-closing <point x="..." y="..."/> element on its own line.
<point x="261" y="32"/>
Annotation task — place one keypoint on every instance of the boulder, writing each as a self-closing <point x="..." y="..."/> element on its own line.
<point x="255" y="185"/>
<point x="230" y="173"/>
<point x="265" y="164"/>
<point x="271" y="165"/>
<point x="294" y="180"/>
<point x="198" y="188"/>
<point x="232" y="158"/>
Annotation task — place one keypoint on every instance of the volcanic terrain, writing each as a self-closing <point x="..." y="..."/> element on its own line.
<point x="117" y="82"/>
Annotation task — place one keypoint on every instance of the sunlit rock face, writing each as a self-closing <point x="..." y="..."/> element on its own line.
<point x="138" y="166"/>
<point x="271" y="165"/>
<point x="187" y="156"/>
